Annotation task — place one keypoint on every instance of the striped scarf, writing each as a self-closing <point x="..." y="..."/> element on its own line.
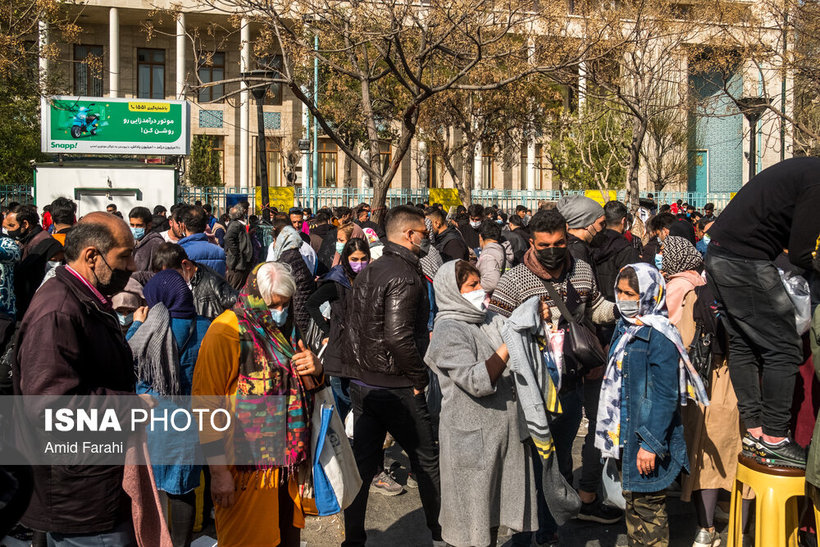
<point x="272" y="405"/>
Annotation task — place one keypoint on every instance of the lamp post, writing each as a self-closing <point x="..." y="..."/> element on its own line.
<point x="257" y="82"/>
<point x="752" y="108"/>
<point x="315" y="123"/>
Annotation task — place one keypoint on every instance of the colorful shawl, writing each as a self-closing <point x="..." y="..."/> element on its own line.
<point x="272" y="404"/>
<point x="652" y="314"/>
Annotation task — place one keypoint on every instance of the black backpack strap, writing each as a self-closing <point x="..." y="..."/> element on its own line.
<point x="559" y="302"/>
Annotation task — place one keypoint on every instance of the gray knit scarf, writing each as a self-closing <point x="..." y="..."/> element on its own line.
<point x="155" y="352"/>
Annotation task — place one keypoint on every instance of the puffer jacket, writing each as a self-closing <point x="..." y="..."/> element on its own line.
<point x="386" y="318"/>
<point x="495" y="260"/>
<point x="200" y="250"/>
<point x="212" y="294"/>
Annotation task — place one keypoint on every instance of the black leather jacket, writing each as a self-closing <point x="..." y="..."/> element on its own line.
<point x="386" y="322"/>
<point x="212" y="294"/>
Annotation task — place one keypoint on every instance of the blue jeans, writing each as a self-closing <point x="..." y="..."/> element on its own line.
<point x="341" y="395"/>
<point x="120" y="536"/>
<point x="563" y="429"/>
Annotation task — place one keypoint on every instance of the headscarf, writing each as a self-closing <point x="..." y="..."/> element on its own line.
<point x="287" y="239"/>
<point x="679" y="255"/>
<point x="450" y="302"/>
<point x="272" y="404"/>
<point x="170" y="288"/>
<point x="652" y="314"/>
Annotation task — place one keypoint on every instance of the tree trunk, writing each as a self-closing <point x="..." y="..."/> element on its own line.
<point x="632" y="185"/>
<point x="379" y="200"/>
<point x="347" y="169"/>
<point x="467" y="180"/>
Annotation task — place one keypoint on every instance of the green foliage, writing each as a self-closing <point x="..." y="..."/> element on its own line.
<point x="204" y="167"/>
<point x="19" y="128"/>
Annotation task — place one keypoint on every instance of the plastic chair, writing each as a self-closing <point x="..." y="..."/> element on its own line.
<point x="776" y="510"/>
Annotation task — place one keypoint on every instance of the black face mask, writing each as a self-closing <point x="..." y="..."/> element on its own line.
<point x="552" y="258"/>
<point x="119" y="279"/>
<point x="16" y="234"/>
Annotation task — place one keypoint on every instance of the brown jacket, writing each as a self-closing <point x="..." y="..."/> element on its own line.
<point x="70" y="343"/>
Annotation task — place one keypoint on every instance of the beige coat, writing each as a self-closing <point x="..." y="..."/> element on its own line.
<point x="713" y="433"/>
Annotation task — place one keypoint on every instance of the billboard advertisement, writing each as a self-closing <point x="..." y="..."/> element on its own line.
<point x="100" y="125"/>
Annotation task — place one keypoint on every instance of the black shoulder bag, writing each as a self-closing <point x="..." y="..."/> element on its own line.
<point x="581" y="345"/>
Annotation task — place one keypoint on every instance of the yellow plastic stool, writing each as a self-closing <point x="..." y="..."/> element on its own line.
<point x="776" y="513"/>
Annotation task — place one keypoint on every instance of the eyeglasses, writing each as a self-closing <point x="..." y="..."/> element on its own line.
<point x="425" y="233"/>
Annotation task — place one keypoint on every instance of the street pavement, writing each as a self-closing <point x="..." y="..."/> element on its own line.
<point x="398" y="521"/>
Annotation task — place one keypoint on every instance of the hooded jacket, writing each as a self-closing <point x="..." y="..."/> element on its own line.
<point x="145" y="249"/>
<point x="609" y="253"/>
<point x="495" y="259"/>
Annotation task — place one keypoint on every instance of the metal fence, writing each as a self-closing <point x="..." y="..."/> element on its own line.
<point x="505" y="199"/>
<point x="21" y="193"/>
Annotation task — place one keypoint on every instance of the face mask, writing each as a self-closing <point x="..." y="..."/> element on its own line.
<point x="476" y="298"/>
<point x="137" y="232"/>
<point x="527" y="219"/>
<point x="659" y="261"/>
<point x="475" y="224"/>
<point x="119" y="279"/>
<point x="340" y="247"/>
<point x="125" y="320"/>
<point x="424" y="247"/>
<point x="629" y="308"/>
<point x="16" y="234"/>
<point x="552" y="258"/>
<point x="706" y="239"/>
<point x="358" y="266"/>
<point x="499" y="221"/>
<point x="279" y="316"/>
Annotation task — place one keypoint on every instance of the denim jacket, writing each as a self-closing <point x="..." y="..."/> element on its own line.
<point x="650" y="412"/>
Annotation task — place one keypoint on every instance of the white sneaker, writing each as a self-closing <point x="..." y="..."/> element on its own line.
<point x="705" y="538"/>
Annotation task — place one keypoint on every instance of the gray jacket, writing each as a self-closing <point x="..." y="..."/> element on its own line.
<point x="536" y="396"/>
<point x="495" y="259"/>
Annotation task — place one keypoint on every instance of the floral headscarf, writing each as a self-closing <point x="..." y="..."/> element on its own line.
<point x="652" y="314"/>
<point x="679" y="255"/>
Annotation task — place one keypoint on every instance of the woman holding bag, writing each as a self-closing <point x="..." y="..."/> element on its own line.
<point x="251" y="363"/>
<point x="486" y="471"/>
<point x="647" y="377"/>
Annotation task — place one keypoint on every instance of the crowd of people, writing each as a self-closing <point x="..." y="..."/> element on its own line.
<point x="477" y="339"/>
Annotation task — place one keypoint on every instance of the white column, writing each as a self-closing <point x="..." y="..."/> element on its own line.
<point x="582" y="85"/>
<point x="180" y="51"/>
<point x="424" y="171"/>
<point x="245" y="112"/>
<point x="365" y="177"/>
<point x="531" y="172"/>
<point x="43" y="59"/>
<point x="114" y="52"/>
<point x="478" y="170"/>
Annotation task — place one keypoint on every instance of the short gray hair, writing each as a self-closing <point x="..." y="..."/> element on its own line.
<point x="237" y="212"/>
<point x="275" y="278"/>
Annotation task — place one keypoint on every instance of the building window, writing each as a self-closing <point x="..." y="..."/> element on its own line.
<point x="88" y="64"/>
<point x="273" y="146"/>
<point x="327" y="163"/>
<point x="487" y="166"/>
<point x="384" y="156"/>
<point x="219" y="150"/>
<point x="433" y="169"/>
<point x="212" y="69"/>
<point x="272" y="63"/>
<point x="524" y="168"/>
<point x="150" y="73"/>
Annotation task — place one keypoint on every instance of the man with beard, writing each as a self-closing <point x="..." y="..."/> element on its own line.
<point x="549" y="262"/>
<point x="70" y="343"/>
<point x="37" y="247"/>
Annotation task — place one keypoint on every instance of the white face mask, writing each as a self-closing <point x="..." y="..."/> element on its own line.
<point x="475" y="223"/>
<point x="476" y="298"/>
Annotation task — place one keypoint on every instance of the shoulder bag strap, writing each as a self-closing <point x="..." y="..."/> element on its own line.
<point x="562" y="307"/>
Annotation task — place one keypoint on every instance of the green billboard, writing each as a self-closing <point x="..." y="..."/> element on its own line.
<point x="99" y="125"/>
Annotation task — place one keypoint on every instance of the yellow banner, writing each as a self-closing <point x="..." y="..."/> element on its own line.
<point x="597" y="196"/>
<point x="280" y="197"/>
<point x="448" y="197"/>
<point x="732" y="195"/>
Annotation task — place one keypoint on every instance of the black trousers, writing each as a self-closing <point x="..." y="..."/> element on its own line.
<point x="592" y="467"/>
<point x="405" y="416"/>
<point x="763" y="343"/>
